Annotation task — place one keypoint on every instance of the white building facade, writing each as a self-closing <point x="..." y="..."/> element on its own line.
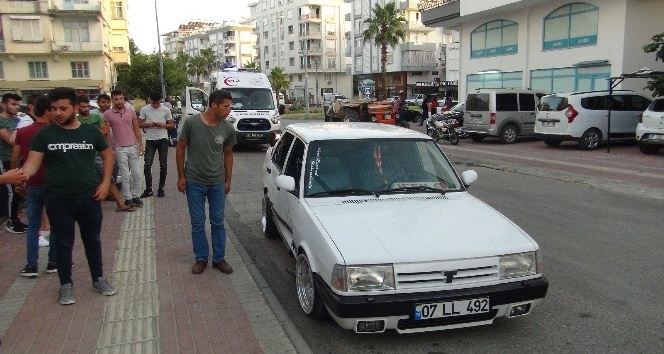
<point x="550" y="45"/>
<point x="306" y="38"/>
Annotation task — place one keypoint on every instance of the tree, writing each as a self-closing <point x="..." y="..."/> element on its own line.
<point x="278" y="80"/>
<point x="251" y="65"/>
<point x="657" y="47"/>
<point x="196" y="66"/>
<point x="210" y="59"/>
<point x="385" y="28"/>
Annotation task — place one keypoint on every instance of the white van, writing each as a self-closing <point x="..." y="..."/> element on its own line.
<point x="583" y="117"/>
<point x="255" y="111"/>
<point x="504" y="113"/>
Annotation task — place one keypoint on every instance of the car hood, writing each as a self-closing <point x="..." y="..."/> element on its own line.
<point x="417" y="228"/>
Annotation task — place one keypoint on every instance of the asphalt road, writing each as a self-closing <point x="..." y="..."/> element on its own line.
<point x="600" y="229"/>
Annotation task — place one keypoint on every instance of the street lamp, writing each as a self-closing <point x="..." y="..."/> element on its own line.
<point x="317" y="95"/>
<point x="161" y="59"/>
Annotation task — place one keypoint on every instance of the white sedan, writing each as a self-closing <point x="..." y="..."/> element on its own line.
<point x="386" y="236"/>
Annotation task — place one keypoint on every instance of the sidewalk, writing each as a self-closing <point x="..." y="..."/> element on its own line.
<point x="160" y="307"/>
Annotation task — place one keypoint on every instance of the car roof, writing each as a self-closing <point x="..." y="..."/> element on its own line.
<point x="349" y="130"/>
<point x="598" y="92"/>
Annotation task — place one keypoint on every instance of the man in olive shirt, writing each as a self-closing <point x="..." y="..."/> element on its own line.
<point x="72" y="191"/>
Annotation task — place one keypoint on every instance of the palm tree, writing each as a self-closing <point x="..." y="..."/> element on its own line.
<point x="251" y="65"/>
<point x="385" y="28"/>
<point x="196" y="67"/>
<point x="279" y="80"/>
<point x="210" y="59"/>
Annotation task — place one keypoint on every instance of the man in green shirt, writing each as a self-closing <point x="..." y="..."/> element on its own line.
<point x="72" y="190"/>
<point x="85" y="117"/>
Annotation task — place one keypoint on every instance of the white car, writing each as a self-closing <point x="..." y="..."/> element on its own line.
<point x="583" y="117"/>
<point x="650" y="129"/>
<point x="386" y="236"/>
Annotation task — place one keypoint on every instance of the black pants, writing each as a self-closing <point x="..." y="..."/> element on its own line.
<point x="13" y="199"/>
<point x="151" y="147"/>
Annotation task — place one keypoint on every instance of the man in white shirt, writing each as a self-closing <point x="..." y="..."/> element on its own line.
<point x="155" y="119"/>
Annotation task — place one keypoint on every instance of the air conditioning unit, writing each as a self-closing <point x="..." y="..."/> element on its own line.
<point x="64" y="48"/>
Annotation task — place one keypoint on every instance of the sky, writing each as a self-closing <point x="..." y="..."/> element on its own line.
<point x="143" y="25"/>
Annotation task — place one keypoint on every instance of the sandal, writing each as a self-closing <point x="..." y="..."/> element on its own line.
<point x="125" y="210"/>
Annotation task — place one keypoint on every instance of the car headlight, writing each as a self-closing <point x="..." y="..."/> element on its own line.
<point x="363" y="278"/>
<point x="275" y="118"/>
<point x="519" y="265"/>
<point x="231" y="119"/>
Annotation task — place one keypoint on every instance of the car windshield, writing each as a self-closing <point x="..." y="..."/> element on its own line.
<point x="251" y="98"/>
<point x="376" y="167"/>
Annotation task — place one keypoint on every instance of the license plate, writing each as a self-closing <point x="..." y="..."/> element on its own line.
<point x="475" y="120"/>
<point x="451" y="308"/>
<point x="549" y="124"/>
<point x="254" y="135"/>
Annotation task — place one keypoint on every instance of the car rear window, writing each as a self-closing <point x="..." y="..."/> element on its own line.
<point x="657" y="105"/>
<point x="553" y="103"/>
<point x="477" y="102"/>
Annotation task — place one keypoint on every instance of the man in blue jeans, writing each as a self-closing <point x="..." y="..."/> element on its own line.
<point x="72" y="191"/>
<point x="35" y="186"/>
<point x="207" y="139"/>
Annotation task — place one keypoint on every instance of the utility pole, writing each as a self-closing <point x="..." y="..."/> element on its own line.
<point x="161" y="59"/>
<point x="317" y="94"/>
<point x="305" y="53"/>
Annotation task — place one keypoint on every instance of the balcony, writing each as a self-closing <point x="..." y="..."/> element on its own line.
<point x="63" y="7"/>
<point x="310" y="18"/>
<point x="439" y="13"/>
<point x="229" y="39"/>
<point x="61" y="46"/>
<point x="310" y="34"/>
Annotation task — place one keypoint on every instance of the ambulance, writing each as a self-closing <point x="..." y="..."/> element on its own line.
<point x="254" y="112"/>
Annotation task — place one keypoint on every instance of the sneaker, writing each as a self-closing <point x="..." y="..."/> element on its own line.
<point x="29" y="271"/>
<point x="160" y="193"/>
<point x="129" y="203"/>
<point x="43" y="242"/>
<point x="199" y="267"/>
<point x="223" y="267"/>
<point x="52" y="267"/>
<point x="147" y="193"/>
<point x="103" y="286"/>
<point x="16" y="227"/>
<point x="137" y="202"/>
<point x="67" y="294"/>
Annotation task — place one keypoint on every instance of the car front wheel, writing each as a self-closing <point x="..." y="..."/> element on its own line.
<point x="269" y="228"/>
<point x="307" y="293"/>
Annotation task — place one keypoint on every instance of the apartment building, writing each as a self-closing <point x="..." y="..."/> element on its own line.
<point x="552" y="45"/>
<point x="51" y="43"/>
<point x="174" y="42"/>
<point x="307" y="38"/>
<point x="416" y="66"/>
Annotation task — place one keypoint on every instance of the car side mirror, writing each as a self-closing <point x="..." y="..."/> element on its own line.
<point x="285" y="182"/>
<point x="468" y="177"/>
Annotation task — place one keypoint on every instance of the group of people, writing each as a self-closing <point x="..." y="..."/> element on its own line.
<point x="429" y="105"/>
<point x="64" y="161"/>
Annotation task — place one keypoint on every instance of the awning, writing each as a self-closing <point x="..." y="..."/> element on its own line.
<point x="49" y="84"/>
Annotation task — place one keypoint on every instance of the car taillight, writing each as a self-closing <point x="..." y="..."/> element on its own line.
<point x="492" y="118"/>
<point x="571" y="114"/>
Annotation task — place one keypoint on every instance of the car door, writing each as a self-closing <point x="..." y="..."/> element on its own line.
<point x="274" y="166"/>
<point x="288" y="202"/>
<point x="620" y="116"/>
<point x="527" y="112"/>
<point x="195" y="101"/>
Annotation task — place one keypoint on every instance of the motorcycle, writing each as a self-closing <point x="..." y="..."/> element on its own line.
<point x="445" y="129"/>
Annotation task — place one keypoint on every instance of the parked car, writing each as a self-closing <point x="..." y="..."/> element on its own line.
<point x="415" y="99"/>
<point x="386" y="236"/>
<point x="503" y="113"/>
<point x="650" y="129"/>
<point x="582" y="117"/>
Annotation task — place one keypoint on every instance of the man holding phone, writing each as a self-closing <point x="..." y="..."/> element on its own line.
<point x="155" y="119"/>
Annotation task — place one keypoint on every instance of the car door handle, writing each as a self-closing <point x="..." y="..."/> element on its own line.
<point x="269" y="170"/>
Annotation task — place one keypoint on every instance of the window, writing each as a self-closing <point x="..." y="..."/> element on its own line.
<point x="80" y="69"/>
<point x="290" y="29"/>
<point x="294" y="163"/>
<point x="266" y="50"/>
<point x="494" y="80"/>
<point x="291" y="61"/>
<point x="331" y="63"/>
<point x="2" y="71"/>
<point x="526" y="102"/>
<point x="571" y="79"/>
<point x="299" y="78"/>
<point x="390" y="58"/>
<point x="291" y="45"/>
<point x="26" y="29"/>
<point x="494" y="38"/>
<point x="38" y="69"/>
<point x="76" y="31"/>
<point x="267" y="64"/>
<point x="117" y="11"/>
<point x="358" y="63"/>
<point x="572" y="25"/>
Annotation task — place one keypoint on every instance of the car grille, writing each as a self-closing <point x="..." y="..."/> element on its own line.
<point x="408" y="323"/>
<point x="429" y="275"/>
<point x="253" y="124"/>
